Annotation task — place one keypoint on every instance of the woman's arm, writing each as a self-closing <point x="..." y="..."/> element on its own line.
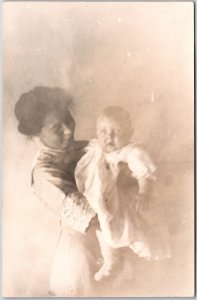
<point x="47" y="188"/>
<point x="62" y="198"/>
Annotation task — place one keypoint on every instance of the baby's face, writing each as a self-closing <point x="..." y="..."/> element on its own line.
<point x="112" y="135"/>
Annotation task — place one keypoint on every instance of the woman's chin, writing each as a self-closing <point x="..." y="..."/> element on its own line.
<point x="67" y="144"/>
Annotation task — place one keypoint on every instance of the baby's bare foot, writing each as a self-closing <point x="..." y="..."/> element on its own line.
<point x="102" y="273"/>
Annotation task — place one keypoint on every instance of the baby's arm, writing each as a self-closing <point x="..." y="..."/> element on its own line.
<point x="142" y="169"/>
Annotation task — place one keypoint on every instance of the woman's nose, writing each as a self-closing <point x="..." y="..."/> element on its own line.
<point x="65" y="129"/>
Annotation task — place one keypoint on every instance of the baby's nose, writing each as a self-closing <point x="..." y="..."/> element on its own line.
<point x="111" y="134"/>
<point x="110" y="137"/>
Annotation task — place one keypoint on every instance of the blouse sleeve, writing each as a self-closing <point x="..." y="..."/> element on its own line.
<point x="71" y="207"/>
<point x="140" y="163"/>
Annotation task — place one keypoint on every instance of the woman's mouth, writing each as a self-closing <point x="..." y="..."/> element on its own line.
<point x="66" y="140"/>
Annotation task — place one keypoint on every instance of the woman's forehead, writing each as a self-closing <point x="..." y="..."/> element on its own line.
<point x="52" y="118"/>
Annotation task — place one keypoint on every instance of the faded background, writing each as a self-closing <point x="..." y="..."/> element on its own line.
<point x="138" y="55"/>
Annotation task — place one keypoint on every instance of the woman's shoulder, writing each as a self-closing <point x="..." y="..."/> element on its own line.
<point x="81" y="144"/>
<point x="92" y="145"/>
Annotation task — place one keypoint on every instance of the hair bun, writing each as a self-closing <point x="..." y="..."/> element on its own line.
<point x="32" y="107"/>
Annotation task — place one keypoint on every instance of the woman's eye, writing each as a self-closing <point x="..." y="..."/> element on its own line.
<point x="55" y="129"/>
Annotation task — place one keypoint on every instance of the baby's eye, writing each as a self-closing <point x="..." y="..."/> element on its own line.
<point x="117" y="131"/>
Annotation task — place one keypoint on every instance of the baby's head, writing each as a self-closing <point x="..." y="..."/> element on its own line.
<point x="114" y="128"/>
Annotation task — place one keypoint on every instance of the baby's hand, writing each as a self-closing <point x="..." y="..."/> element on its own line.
<point x="141" y="202"/>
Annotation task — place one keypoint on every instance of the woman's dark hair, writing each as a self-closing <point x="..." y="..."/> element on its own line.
<point x="33" y="106"/>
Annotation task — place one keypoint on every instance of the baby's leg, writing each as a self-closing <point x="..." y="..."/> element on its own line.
<point x="110" y="258"/>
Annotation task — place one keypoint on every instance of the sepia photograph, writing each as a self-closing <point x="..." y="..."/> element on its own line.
<point x="98" y="149"/>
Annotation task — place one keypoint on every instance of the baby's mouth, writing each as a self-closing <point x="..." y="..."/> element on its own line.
<point x="66" y="140"/>
<point x="110" y="145"/>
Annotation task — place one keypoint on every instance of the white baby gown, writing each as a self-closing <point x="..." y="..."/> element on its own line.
<point x="96" y="177"/>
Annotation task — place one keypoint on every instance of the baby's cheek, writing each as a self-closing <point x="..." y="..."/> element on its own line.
<point x="117" y="142"/>
<point x="102" y="142"/>
<point x="121" y="142"/>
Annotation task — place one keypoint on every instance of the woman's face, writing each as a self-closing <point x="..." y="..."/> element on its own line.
<point x="57" y="132"/>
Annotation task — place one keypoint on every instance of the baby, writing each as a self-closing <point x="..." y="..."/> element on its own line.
<point x="119" y="211"/>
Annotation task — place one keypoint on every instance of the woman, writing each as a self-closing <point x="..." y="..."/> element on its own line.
<point x="43" y="112"/>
